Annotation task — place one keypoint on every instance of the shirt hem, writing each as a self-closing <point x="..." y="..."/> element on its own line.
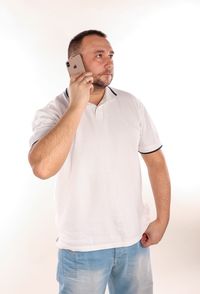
<point x="60" y="245"/>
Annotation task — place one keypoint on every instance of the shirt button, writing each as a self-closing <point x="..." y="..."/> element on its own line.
<point x="99" y="113"/>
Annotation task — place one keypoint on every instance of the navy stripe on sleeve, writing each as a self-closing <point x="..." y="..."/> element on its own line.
<point x="151" y="151"/>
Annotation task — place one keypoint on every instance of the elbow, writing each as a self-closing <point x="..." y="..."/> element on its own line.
<point x="38" y="168"/>
<point x="39" y="173"/>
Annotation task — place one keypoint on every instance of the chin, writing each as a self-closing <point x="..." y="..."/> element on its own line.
<point x="102" y="83"/>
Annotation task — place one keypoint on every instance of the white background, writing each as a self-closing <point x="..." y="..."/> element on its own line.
<point x="157" y="59"/>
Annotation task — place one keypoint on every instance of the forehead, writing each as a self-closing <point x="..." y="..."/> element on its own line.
<point x="93" y="42"/>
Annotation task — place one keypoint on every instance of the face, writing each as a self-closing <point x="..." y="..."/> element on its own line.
<point x="97" y="55"/>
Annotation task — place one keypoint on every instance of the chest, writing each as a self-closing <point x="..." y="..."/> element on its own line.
<point x="108" y="129"/>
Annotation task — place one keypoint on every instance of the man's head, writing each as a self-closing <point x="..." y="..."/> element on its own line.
<point x="96" y="53"/>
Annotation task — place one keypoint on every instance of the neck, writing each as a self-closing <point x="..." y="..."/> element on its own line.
<point x="97" y="95"/>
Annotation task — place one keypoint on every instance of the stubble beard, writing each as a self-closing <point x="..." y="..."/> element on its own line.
<point x="99" y="84"/>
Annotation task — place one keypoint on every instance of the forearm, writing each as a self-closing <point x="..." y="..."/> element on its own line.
<point x="160" y="183"/>
<point x="49" y="153"/>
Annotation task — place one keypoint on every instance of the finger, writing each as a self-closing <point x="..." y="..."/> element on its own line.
<point x="145" y="241"/>
<point x="145" y="244"/>
<point x="87" y="80"/>
<point x="91" y="88"/>
<point x="86" y="77"/>
<point x="145" y="237"/>
<point x="73" y="78"/>
<point x="80" y="77"/>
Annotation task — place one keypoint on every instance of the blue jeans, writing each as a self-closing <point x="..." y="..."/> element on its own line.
<point x="126" y="270"/>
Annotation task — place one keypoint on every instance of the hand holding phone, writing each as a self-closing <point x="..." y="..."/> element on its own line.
<point x="80" y="86"/>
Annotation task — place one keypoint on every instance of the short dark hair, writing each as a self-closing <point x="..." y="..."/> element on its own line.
<point x="75" y="43"/>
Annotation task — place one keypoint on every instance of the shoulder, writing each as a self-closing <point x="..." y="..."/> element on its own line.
<point x="127" y="97"/>
<point x="56" y="106"/>
<point x="59" y="103"/>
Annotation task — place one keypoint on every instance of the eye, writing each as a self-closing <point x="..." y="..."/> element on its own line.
<point x="99" y="55"/>
<point x="111" y="56"/>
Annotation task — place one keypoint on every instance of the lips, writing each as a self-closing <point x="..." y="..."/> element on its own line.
<point x="106" y="73"/>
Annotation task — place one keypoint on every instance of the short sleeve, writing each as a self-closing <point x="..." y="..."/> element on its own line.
<point x="149" y="138"/>
<point x="46" y="118"/>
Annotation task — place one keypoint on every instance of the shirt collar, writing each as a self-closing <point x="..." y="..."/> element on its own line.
<point x="108" y="95"/>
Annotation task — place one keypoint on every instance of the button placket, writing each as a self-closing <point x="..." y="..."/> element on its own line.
<point x="99" y="113"/>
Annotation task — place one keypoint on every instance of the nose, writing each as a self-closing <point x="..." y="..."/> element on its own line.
<point x="109" y="63"/>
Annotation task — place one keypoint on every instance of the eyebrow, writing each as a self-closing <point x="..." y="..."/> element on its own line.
<point x="102" y="51"/>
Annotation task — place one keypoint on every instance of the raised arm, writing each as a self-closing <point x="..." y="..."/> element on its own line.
<point x="48" y="154"/>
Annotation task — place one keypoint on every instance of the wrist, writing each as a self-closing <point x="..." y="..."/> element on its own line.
<point x="75" y="108"/>
<point x="163" y="220"/>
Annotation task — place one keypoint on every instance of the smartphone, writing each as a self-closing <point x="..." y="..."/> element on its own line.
<point x="75" y="65"/>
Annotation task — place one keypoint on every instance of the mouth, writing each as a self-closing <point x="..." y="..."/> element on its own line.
<point x="107" y="74"/>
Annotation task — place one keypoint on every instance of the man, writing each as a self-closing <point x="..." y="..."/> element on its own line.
<point x="90" y="136"/>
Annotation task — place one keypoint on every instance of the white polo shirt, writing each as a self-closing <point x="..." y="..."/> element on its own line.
<point x="98" y="189"/>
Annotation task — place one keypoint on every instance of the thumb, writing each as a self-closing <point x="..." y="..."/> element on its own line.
<point x="145" y="240"/>
<point x="91" y="89"/>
